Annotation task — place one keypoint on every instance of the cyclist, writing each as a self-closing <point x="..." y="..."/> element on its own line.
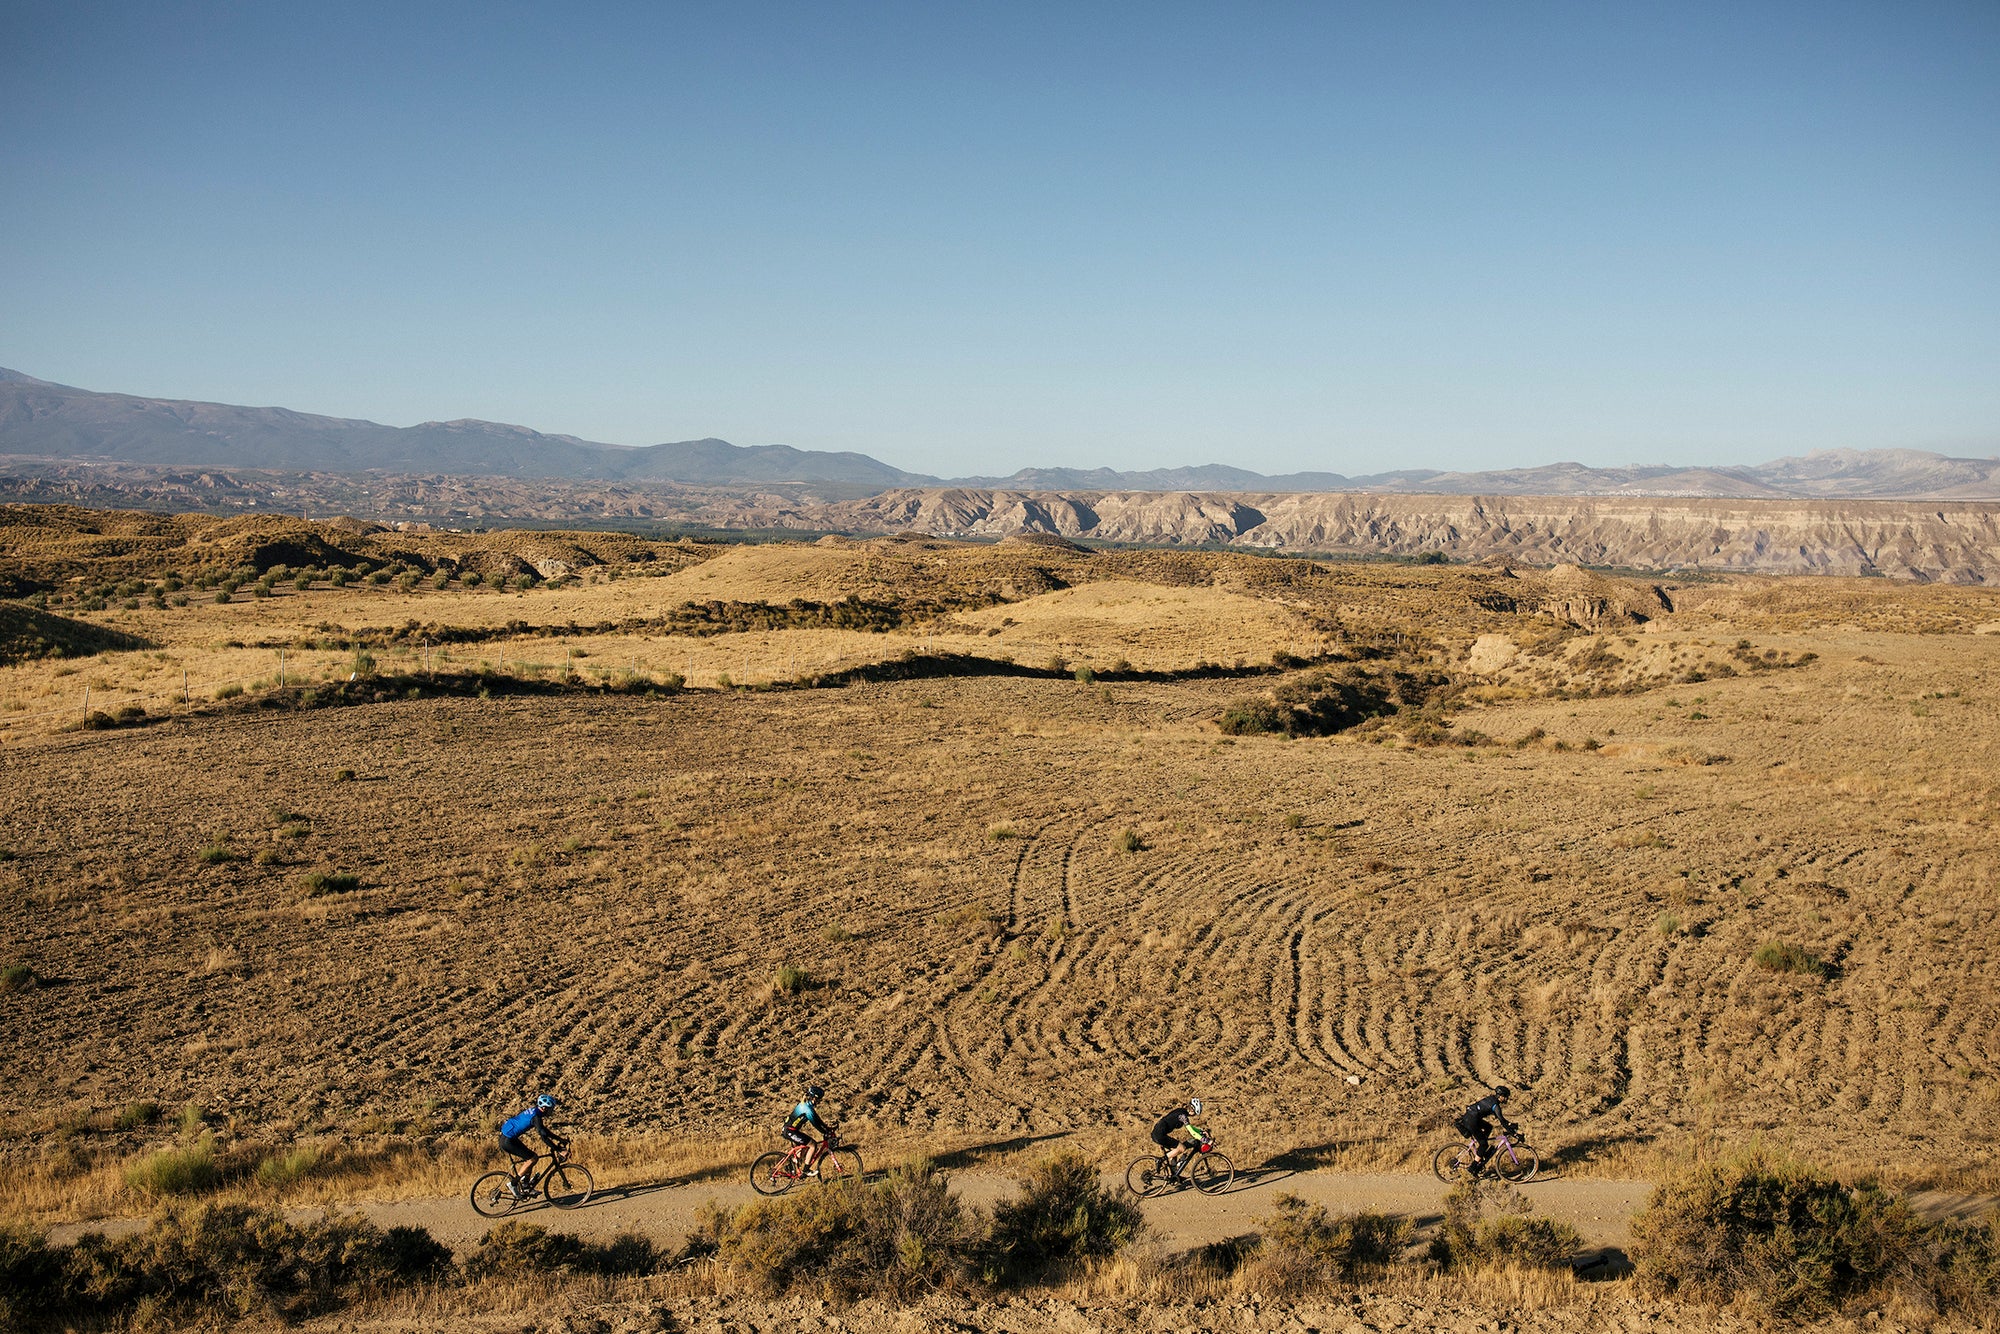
<point x="1178" y="1118"/>
<point x="534" y="1117"/>
<point x="804" y="1126"/>
<point x="1474" y="1123"/>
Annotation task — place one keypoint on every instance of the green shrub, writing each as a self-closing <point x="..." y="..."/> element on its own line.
<point x="1062" y="1217"/>
<point x="215" y="854"/>
<point x="518" y="1249"/>
<point x="1775" y="956"/>
<point x="1128" y="840"/>
<point x="135" y="1115"/>
<point x="176" y="1171"/>
<point x="472" y="579"/>
<point x="1251" y="715"/>
<point x="836" y="934"/>
<point x="1469" y="1238"/>
<point x="282" y="1169"/>
<point x="896" y="1238"/>
<point x="17" y="977"/>
<point x="790" y="981"/>
<point x="316" y="883"/>
<point x="343" y="775"/>
<point x="1305" y="1248"/>
<point x="340" y="578"/>
<point x="1785" y="1238"/>
<point x="230" y="691"/>
<point x="1084" y="676"/>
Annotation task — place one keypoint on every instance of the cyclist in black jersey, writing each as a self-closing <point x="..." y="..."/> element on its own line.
<point x="1164" y="1129"/>
<point x="1474" y="1123"/>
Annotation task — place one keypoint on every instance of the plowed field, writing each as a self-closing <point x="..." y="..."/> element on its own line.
<point x="1030" y="904"/>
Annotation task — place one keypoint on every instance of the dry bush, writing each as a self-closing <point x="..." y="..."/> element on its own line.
<point x="894" y="1238"/>
<point x="186" y="1170"/>
<point x="213" y="1259"/>
<point x="1782" y="1237"/>
<point x="517" y="1249"/>
<point x="1307" y="1249"/>
<point x="1063" y="1216"/>
<point x="1469" y="1238"/>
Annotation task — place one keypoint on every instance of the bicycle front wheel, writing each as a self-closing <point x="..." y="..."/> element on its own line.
<point x="569" y="1186"/>
<point x="840" y="1165"/>
<point x="1211" y="1172"/>
<point x="1450" y="1162"/>
<point x="1146" y="1177"/>
<point x="772" y="1174"/>
<point x="493" y="1195"/>
<point x="1517" y="1165"/>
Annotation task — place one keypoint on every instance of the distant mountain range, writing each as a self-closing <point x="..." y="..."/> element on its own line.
<point x="41" y="420"/>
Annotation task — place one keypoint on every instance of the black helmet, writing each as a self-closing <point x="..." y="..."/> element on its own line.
<point x="814" y="1093"/>
<point x="1503" y="1093"/>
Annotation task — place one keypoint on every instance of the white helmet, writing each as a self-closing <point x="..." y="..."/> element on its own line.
<point x="1194" y="1105"/>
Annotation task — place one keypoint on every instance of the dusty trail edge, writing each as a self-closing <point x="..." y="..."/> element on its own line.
<point x="1600" y="1210"/>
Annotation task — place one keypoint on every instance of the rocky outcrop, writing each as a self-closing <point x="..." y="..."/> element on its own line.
<point x="1954" y="542"/>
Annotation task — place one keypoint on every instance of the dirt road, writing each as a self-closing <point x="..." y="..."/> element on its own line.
<point x="1598" y="1209"/>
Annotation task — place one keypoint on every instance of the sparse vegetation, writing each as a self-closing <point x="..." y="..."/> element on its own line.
<point x="1781" y="1237"/>
<point x="790" y="981"/>
<point x="1775" y="956"/>
<point x="315" y="883"/>
<point x="1304" y="1248"/>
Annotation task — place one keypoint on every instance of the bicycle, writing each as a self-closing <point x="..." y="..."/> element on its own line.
<point x="1514" y="1162"/>
<point x="1206" y="1169"/>
<point x="778" y="1171"/>
<point x="562" y="1183"/>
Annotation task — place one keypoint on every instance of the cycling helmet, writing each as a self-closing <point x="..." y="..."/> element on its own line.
<point x="814" y="1093"/>
<point x="1194" y="1105"/>
<point x="545" y="1103"/>
<point x="1503" y="1093"/>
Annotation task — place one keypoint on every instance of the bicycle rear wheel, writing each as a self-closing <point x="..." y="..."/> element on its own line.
<point x="840" y="1165"/>
<point x="1147" y="1177"/>
<point x="1450" y="1163"/>
<point x="493" y="1195"/>
<point x="1517" y="1164"/>
<point x="569" y="1186"/>
<point x="772" y="1175"/>
<point x="1211" y="1172"/>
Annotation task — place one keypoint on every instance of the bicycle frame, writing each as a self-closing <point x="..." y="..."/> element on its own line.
<point x="1501" y="1144"/>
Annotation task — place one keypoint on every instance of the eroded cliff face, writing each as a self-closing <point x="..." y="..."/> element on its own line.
<point x="1943" y="541"/>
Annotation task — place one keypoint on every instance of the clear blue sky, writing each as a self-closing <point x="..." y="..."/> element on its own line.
<point x="972" y="237"/>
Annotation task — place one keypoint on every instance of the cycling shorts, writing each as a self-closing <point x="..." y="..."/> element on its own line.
<point x="515" y="1149"/>
<point x="795" y="1137"/>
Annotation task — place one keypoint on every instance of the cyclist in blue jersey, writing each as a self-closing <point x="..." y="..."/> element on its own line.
<point x="1179" y="1118"/>
<point x="536" y="1118"/>
<point x="804" y="1126"/>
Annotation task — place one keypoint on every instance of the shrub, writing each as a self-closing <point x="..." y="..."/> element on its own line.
<point x="896" y="1238"/>
<point x="1084" y="676"/>
<point x="1775" y="956"/>
<point x="136" y="1114"/>
<point x="836" y="934"/>
<point x="233" y="1260"/>
<point x="230" y="691"/>
<point x="790" y="981"/>
<point x="17" y="977"/>
<point x="1306" y="1248"/>
<point x="343" y="775"/>
<point x="1785" y="1238"/>
<point x="316" y="883"/>
<point x="1128" y="840"/>
<point x="176" y="1171"/>
<point x="282" y="1169"/>
<point x="999" y="833"/>
<point x="339" y="578"/>
<point x="1251" y="715"/>
<point x="1469" y="1238"/>
<point x="518" y="1249"/>
<point x="215" y="854"/>
<point x="222" y="595"/>
<point x="472" y="579"/>
<point x="1063" y="1216"/>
